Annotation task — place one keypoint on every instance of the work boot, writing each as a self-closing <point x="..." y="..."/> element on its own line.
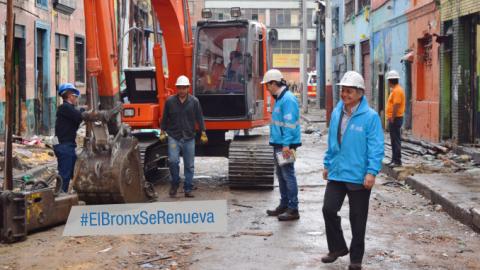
<point x="173" y="190"/>
<point x="189" y="195"/>
<point x="355" y="266"/>
<point x="290" y="214"/>
<point x="333" y="256"/>
<point x="279" y="210"/>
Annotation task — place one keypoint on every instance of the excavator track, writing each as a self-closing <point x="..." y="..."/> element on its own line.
<point x="250" y="163"/>
<point x="153" y="157"/>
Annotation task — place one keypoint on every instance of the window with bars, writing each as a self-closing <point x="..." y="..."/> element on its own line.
<point x="349" y="9"/>
<point x="65" y="6"/>
<point x="362" y="4"/>
<point x="79" y="59"/>
<point x="287" y="47"/>
<point x="336" y="20"/>
<point x="42" y="3"/>
<point x="280" y="18"/>
<point x="254" y="14"/>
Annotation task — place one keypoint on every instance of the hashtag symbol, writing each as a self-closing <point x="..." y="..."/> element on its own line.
<point x="84" y="219"/>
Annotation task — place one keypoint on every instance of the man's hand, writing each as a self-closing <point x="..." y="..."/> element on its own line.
<point x="325" y="174"/>
<point x="369" y="181"/>
<point x="286" y="152"/>
<point x="204" y="138"/>
<point x="163" y="137"/>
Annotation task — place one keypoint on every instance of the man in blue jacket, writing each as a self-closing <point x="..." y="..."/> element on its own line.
<point x="353" y="159"/>
<point x="285" y="138"/>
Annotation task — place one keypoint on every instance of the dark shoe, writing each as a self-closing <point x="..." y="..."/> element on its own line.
<point x="290" y="214"/>
<point x="173" y="190"/>
<point x="279" y="210"/>
<point x="333" y="256"/>
<point x="355" y="266"/>
<point x="189" y="195"/>
<point x="395" y="164"/>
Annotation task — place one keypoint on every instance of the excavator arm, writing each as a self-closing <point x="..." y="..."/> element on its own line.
<point x="109" y="168"/>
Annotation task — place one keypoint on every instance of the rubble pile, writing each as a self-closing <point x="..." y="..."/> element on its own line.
<point x="426" y="157"/>
<point x="27" y="154"/>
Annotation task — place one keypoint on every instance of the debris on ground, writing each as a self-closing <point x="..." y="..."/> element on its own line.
<point x="254" y="233"/>
<point x="104" y="250"/>
<point x="421" y="157"/>
<point x="242" y="205"/>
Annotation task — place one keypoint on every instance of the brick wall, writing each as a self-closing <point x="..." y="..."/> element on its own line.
<point x="451" y="9"/>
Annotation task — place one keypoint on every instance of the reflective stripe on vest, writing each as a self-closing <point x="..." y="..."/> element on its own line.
<point x="287" y="125"/>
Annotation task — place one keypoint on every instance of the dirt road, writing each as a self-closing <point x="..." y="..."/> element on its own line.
<point x="404" y="232"/>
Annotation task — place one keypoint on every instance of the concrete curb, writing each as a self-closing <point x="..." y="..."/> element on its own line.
<point x="462" y="213"/>
<point x="469" y="217"/>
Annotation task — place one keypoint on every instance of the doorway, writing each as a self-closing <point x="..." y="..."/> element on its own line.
<point x="41" y="104"/>
<point x="365" y="51"/>
<point x="19" y="78"/>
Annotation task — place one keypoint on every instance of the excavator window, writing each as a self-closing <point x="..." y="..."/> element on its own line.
<point x="220" y="70"/>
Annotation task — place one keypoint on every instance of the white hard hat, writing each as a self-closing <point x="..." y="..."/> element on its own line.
<point x="392" y="74"/>
<point x="272" y="75"/>
<point x="182" y="81"/>
<point x="352" y="79"/>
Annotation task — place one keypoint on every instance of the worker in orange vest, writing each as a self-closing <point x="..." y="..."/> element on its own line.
<point x="395" y="111"/>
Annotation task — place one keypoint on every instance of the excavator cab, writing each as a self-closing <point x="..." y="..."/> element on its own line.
<point x="228" y="65"/>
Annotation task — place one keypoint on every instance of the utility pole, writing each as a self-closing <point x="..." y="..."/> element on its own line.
<point x="8" y="176"/>
<point x="303" y="56"/>
<point x="328" y="61"/>
<point x="320" y="60"/>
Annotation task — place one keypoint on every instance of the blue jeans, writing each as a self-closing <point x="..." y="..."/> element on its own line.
<point x="66" y="159"/>
<point x="187" y="148"/>
<point x="287" y="182"/>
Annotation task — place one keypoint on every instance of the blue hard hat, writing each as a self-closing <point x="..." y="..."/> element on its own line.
<point x="68" y="86"/>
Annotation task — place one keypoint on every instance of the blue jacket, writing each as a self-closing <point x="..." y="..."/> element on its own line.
<point x="285" y="125"/>
<point x="362" y="147"/>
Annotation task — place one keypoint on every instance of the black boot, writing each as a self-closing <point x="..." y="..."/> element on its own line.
<point x="355" y="266"/>
<point x="173" y="190"/>
<point x="333" y="256"/>
<point x="290" y="214"/>
<point x="279" y="210"/>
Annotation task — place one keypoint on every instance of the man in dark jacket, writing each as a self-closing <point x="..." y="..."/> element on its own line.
<point x="180" y="114"/>
<point x="66" y="126"/>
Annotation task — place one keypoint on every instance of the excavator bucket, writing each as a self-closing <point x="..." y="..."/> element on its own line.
<point x="111" y="172"/>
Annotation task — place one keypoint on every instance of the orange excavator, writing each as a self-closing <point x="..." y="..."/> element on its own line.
<point x="120" y="160"/>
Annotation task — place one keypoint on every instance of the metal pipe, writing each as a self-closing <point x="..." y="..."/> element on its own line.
<point x="303" y="57"/>
<point x="8" y="175"/>
<point x="186" y="21"/>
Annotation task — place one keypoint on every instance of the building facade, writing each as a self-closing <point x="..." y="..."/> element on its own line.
<point x="49" y="49"/>
<point x="374" y="37"/>
<point x="460" y="68"/>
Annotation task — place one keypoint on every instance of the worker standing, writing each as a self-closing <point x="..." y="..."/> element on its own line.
<point x="180" y="114"/>
<point x="66" y="125"/>
<point x="285" y="138"/>
<point x="394" y="112"/>
<point x="352" y="161"/>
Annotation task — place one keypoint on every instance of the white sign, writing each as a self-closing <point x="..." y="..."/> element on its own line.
<point x="147" y="218"/>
